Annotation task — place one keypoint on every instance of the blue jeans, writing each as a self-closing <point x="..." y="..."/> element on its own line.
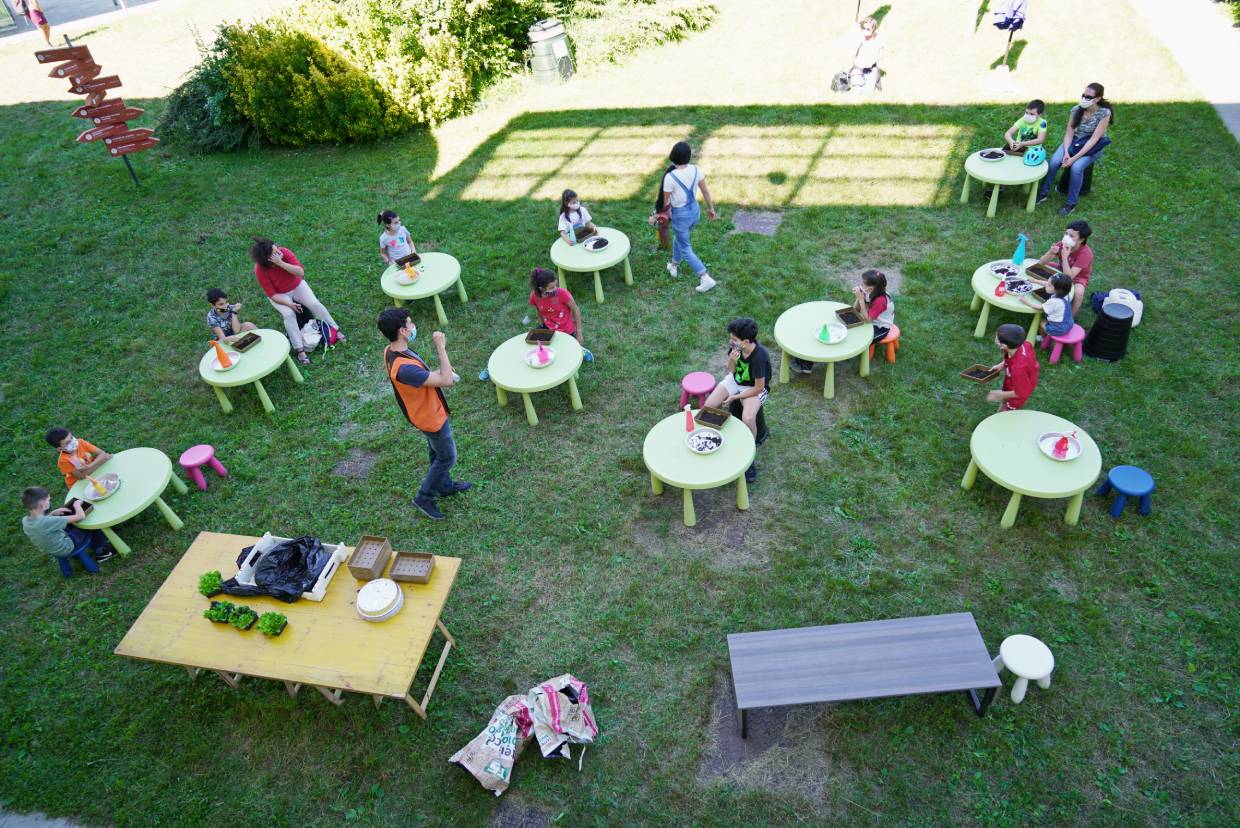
<point x="684" y="219"/>
<point x="85" y="541"/>
<point x="443" y="456"/>
<point x="1076" y="174"/>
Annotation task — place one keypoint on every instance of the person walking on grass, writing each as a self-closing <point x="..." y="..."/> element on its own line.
<point x="419" y="395"/>
<point x="282" y="278"/>
<point x="679" y="182"/>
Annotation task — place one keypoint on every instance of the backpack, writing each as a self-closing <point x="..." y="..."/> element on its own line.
<point x="316" y="332"/>
<point x="841" y="82"/>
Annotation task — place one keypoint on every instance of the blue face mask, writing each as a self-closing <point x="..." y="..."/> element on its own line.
<point x="413" y="335"/>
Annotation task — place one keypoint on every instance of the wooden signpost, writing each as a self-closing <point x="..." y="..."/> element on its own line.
<point x="109" y="117"/>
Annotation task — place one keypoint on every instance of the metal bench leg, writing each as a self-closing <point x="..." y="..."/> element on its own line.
<point x="744" y="723"/>
<point x="980" y="706"/>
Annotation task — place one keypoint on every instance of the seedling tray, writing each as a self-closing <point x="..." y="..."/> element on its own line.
<point x="412" y="259"/>
<point x="979" y="373"/>
<point x="370" y="557"/>
<point x="412" y="567"/>
<point x="712" y="417"/>
<point x="537" y="335"/>
<point x="86" y="505"/>
<point x="1041" y="271"/>
<point x="850" y="317"/>
<point x="247" y="342"/>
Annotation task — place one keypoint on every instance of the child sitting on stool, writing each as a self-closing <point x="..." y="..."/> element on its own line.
<point x="749" y="374"/>
<point x="56" y="535"/>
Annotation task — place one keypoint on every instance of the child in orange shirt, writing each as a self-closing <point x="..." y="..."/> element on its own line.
<point x="77" y="458"/>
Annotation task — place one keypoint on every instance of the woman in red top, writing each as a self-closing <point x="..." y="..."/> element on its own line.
<point x="281" y="277"/>
<point x="1072" y="255"/>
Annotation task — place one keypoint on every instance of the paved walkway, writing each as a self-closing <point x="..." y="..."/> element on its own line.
<point x="11" y="820"/>
<point x="60" y="12"/>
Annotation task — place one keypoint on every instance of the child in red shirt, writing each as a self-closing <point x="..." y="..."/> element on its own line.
<point x="1020" y="368"/>
<point x="557" y="310"/>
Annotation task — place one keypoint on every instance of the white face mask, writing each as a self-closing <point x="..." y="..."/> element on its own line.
<point x="1087" y="101"/>
<point x="1067" y="241"/>
<point x="1029" y="119"/>
<point x="71" y="446"/>
<point x="572" y="208"/>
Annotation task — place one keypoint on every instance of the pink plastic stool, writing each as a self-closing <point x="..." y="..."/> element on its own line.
<point x="698" y="384"/>
<point x="192" y="459"/>
<point x="1074" y="337"/>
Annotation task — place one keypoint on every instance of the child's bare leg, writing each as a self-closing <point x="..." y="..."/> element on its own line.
<point x="716" y="397"/>
<point x="1078" y="299"/>
<point x="749" y="413"/>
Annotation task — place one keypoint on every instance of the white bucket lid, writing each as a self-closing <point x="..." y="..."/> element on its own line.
<point x="378" y="597"/>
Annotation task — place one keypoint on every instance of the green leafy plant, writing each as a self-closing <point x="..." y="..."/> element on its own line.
<point x="242" y="617"/>
<point x="220" y="612"/>
<point x="209" y="584"/>
<point x="272" y="623"/>
<point x="201" y="114"/>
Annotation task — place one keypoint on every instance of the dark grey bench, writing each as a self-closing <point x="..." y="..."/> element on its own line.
<point x="865" y="660"/>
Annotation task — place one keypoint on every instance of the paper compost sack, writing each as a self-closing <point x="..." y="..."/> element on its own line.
<point x="561" y="711"/>
<point x="490" y="755"/>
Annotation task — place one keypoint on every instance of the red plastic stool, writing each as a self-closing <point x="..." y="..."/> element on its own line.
<point x="192" y="460"/>
<point x="1074" y="337"/>
<point x="697" y="384"/>
<point x="892" y="341"/>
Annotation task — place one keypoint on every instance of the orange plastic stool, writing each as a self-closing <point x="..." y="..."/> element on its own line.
<point x="892" y="341"/>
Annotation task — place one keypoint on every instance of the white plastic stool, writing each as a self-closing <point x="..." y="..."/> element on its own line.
<point x="1029" y="660"/>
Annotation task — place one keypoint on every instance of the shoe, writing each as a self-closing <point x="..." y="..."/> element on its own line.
<point x="428" y="508"/>
<point x="1042" y="198"/>
<point x="302" y="358"/>
<point x="105" y="553"/>
<point x="458" y="486"/>
<point x="705" y="284"/>
<point x="1067" y="208"/>
<point x="484" y="375"/>
<point x="340" y="340"/>
<point x="586" y="355"/>
<point x="751" y="473"/>
<point x="1038" y="340"/>
<point x="762" y="438"/>
<point x="673" y="269"/>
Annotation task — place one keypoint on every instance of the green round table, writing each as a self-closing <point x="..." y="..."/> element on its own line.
<point x="1005" y="447"/>
<point x="144" y="474"/>
<point x="576" y="259"/>
<point x="254" y="364"/>
<point x="510" y="372"/>
<point x="439" y="271"/>
<point x="670" y="461"/>
<point x="1010" y="172"/>
<point x="984" y="284"/>
<point x="796" y="333"/>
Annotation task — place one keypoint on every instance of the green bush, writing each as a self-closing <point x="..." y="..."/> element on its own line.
<point x="201" y="115"/>
<point x="605" y="31"/>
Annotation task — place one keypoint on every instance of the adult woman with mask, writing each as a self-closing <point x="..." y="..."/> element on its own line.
<point x="865" y="74"/>
<point x="1083" y="143"/>
<point x="679" y="182"/>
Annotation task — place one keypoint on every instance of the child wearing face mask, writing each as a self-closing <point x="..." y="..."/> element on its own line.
<point x="1057" y="310"/>
<point x="76" y="458"/>
<point x="557" y="310"/>
<point x="870" y="298"/>
<point x="1029" y="130"/>
<point x="1073" y="256"/>
<point x="573" y="217"/>
<point x="395" y="241"/>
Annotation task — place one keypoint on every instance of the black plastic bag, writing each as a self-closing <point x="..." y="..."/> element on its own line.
<point x="285" y="572"/>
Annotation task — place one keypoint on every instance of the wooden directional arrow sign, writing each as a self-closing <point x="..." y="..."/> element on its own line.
<point x="76" y="69"/>
<point x="110" y="105"/>
<point x="118" y="116"/>
<point x="129" y="136"/>
<point x="68" y="53"/>
<point x="126" y="149"/>
<point x="106" y="131"/>
<point x="96" y="85"/>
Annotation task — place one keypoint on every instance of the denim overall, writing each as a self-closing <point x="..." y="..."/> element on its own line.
<point x="683" y="221"/>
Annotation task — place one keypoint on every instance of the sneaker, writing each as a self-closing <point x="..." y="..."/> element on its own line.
<point x="802" y="366"/>
<point x="427" y="507"/>
<point x="1042" y="198"/>
<point x="751" y="473"/>
<point x="586" y="355"/>
<point x="705" y="283"/>
<point x="302" y="358"/>
<point x="458" y="486"/>
<point x="484" y="375"/>
<point x="340" y="340"/>
<point x="673" y="269"/>
<point x="106" y="553"/>
<point x="1067" y="208"/>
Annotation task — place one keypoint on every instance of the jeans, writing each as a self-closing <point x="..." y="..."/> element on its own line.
<point x="83" y="540"/>
<point x="684" y="219"/>
<point x="304" y="296"/>
<point x="1076" y="174"/>
<point x="443" y="456"/>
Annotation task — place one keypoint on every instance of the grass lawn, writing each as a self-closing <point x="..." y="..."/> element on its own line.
<point x="570" y="564"/>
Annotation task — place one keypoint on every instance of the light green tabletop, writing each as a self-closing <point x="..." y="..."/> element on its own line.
<point x="144" y="474"/>
<point x="256" y="363"/>
<point x="1011" y="171"/>
<point x="796" y="333"/>
<point x="510" y="372"/>
<point x="439" y="271"/>
<point x="671" y="461"/>
<point x="1004" y="447"/>
<point x="577" y="259"/>
<point x="984" y="284"/>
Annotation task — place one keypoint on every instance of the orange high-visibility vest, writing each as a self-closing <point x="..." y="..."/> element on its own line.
<point x="425" y="408"/>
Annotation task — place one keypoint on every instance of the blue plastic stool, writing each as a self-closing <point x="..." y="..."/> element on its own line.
<point x="1128" y="481"/>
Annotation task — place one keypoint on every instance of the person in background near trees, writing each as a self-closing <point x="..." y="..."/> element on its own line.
<point x="679" y="182"/>
<point x="56" y="535"/>
<point x="1020" y="368"/>
<point x="419" y="395"/>
<point x="1074" y="256"/>
<point x="747" y="380"/>
<point x="1083" y="143"/>
<point x="77" y="458"/>
<point x="395" y="241"/>
<point x="282" y="278"/>
<point x="33" y="10"/>
<point x="865" y="74"/>
<point x="224" y="319"/>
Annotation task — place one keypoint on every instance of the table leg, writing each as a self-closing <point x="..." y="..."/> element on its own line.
<point x="1032" y="338"/>
<point x="460" y="291"/>
<point x="445" y="632"/>
<point x="115" y="539"/>
<point x="742" y="493"/>
<point x="1073" y="515"/>
<point x="982" y="704"/>
<point x="994" y="202"/>
<point x="828" y="385"/>
<point x="439" y="313"/>
<point x="964" y="193"/>
<point x="263" y="398"/>
<point x="573" y="395"/>
<point x="232" y="681"/>
<point x="293" y="370"/>
<point x="656" y="485"/>
<point x="292" y="689"/>
<point x="976" y="304"/>
<point x="223" y="398"/>
<point x="690" y="515"/>
<point x="783" y="367"/>
<point x="169" y="515"/>
<point x="982" y="318"/>
<point x="1033" y="197"/>
<point x="744" y="718"/>
<point x="193" y="672"/>
<point x="417" y="708"/>
<point x="530" y="413"/>
<point x="179" y="485"/>
<point x="970" y="475"/>
<point x="501" y="395"/>
<point x="377" y="699"/>
<point x="397" y="303"/>
<point x="1009" y="514"/>
<point x="332" y="696"/>
<point x="598" y="287"/>
<point x="560" y="271"/>
<point x="628" y="271"/>
<point x="865" y="362"/>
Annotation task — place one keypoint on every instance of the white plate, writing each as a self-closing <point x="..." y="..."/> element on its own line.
<point x="1047" y="443"/>
<point x="835" y="331"/>
<point x="531" y="358"/>
<point x="999" y="150"/>
<point x="402" y="278"/>
<point x="701" y="436"/>
<point x="1017" y="286"/>
<point x="1005" y="269"/>
<point x="110" y="483"/>
<point x="233" y="355"/>
<point x="596" y="244"/>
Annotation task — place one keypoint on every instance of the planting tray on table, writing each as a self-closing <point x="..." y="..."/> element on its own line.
<point x="712" y="417"/>
<point x="412" y="567"/>
<point x="339" y="553"/>
<point x="370" y="557"/>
